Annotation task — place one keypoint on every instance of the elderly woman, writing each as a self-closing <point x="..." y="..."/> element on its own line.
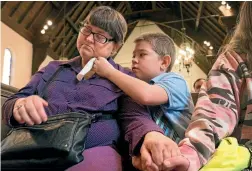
<point x="101" y="34"/>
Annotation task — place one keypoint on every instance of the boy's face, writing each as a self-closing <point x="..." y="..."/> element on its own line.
<point x="146" y="63"/>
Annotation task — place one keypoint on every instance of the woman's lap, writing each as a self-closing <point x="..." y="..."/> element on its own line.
<point x="103" y="158"/>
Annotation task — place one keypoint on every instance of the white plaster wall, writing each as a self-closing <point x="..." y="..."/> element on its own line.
<point x="45" y="62"/>
<point x="124" y="56"/>
<point x="21" y="56"/>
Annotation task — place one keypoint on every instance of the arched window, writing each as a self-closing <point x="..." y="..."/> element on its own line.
<point x="6" y="77"/>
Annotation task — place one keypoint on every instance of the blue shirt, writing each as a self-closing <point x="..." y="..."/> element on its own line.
<point x="174" y="116"/>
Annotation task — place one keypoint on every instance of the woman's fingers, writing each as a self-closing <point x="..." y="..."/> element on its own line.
<point x="30" y="110"/>
<point x="39" y="105"/>
<point x="24" y="115"/>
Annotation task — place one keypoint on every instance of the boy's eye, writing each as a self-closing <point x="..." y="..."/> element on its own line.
<point x="142" y="54"/>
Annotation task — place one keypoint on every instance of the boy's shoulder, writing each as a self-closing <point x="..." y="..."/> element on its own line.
<point x="168" y="76"/>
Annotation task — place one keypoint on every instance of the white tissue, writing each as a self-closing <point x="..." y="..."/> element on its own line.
<point x="86" y="69"/>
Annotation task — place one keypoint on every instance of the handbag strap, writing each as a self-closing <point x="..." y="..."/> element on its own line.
<point x="55" y="74"/>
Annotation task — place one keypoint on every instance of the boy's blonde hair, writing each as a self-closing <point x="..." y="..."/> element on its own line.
<point x="162" y="44"/>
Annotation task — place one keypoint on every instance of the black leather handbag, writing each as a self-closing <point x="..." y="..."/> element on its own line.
<point x="55" y="144"/>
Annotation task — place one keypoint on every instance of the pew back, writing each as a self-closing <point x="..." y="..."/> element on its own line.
<point x="6" y="92"/>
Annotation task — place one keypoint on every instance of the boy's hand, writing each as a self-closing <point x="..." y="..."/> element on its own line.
<point x="102" y="67"/>
<point x="157" y="148"/>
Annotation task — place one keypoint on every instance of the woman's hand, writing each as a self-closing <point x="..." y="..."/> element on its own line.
<point x="155" y="150"/>
<point x="30" y="110"/>
<point x="102" y="67"/>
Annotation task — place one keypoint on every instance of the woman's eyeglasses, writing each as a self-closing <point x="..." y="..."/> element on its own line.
<point x="97" y="37"/>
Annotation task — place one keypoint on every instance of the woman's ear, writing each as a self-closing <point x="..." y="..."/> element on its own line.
<point x="116" y="48"/>
<point x="166" y="61"/>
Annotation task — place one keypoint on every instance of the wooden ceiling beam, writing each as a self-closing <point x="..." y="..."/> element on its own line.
<point x="154" y="5"/>
<point x="201" y="5"/>
<point x="159" y="15"/>
<point x="128" y="6"/>
<point x="26" y="12"/>
<point x="60" y="26"/>
<point x="218" y="30"/>
<point x="62" y="32"/>
<point x="215" y="21"/>
<point x="216" y="38"/>
<point x="56" y="4"/>
<point x="39" y="55"/>
<point x="70" y="44"/>
<point x="3" y="3"/>
<point x="120" y="6"/>
<point x="72" y="24"/>
<point x="82" y="17"/>
<point x="15" y="9"/>
<point x="99" y="3"/>
<point x="5" y="18"/>
<point x="40" y="12"/>
<point x="70" y="31"/>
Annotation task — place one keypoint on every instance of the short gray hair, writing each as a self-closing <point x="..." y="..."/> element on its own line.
<point x="110" y="21"/>
<point x="162" y="44"/>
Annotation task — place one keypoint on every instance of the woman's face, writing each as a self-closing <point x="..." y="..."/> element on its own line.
<point x="89" y="47"/>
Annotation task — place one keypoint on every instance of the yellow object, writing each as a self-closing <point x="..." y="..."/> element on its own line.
<point x="229" y="156"/>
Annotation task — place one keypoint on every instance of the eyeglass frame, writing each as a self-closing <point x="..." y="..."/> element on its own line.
<point x="81" y="26"/>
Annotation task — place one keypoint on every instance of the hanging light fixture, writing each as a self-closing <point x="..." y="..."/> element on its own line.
<point x="186" y="52"/>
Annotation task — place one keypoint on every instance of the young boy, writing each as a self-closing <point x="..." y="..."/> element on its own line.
<point x="164" y="92"/>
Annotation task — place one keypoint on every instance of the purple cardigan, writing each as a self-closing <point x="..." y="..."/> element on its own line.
<point x="67" y="94"/>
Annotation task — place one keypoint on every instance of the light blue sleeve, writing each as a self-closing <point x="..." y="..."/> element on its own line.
<point x="176" y="89"/>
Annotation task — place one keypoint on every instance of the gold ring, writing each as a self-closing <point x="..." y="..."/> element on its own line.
<point x="18" y="106"/>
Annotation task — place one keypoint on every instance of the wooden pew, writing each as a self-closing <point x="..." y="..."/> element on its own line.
<point x="6" y="92"/>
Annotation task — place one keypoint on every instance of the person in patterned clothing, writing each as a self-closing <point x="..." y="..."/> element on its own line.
<point x="224" y="106"/>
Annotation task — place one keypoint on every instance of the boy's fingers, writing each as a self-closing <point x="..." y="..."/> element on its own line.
<point x="136" y="162"/>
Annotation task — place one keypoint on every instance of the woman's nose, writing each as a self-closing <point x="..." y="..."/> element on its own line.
<point x="90" y="38"/>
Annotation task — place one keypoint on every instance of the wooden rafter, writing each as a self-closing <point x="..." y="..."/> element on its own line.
<point x="80" y="18"/>
<point x="56" y="4"/>
<point x="40" y="12"/>
<point x="214" y="21"/>
<point x="3" y="4"/>
<point x="127" y="3"/>
<point x="99" y="3"/>
<point x="72" y="24"/>
<point x="201" y="4"/>
<point x="218" y="30"/>
<point x="15" y="9"/>
<point x="120" y="6"/>
<point x="26" y="12"/>
<point x="216" y="39"/>
<point x="154" y="5"/>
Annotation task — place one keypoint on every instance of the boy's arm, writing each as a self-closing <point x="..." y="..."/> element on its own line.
<point x="138" y="90"/>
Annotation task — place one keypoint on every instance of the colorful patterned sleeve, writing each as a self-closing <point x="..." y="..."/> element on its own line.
<point x="216" y="112"/>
